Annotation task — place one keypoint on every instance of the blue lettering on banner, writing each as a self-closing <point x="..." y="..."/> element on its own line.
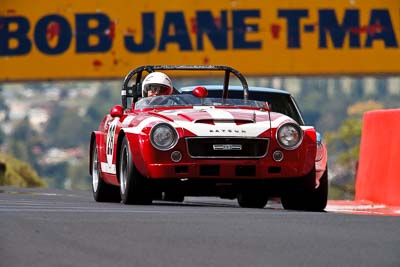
<point x="381" y="18"/>
<point x="149" y="32"/>
<point x="82" y="39"/>
<point x="41" y="31"/>
<point x="217" y="34"/>
<point x="293" y="17"/>
<point x="20" y="35"/>
<point x="174" y="30"/>
<point x="328" y="24"/>
<point x="240" y="28"/>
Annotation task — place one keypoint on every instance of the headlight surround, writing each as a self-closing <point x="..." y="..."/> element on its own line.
<point x="289" y="136"/>
<point x="163" y="136"/>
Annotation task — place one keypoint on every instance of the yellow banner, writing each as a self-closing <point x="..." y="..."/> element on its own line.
<point x="91" y="39"/>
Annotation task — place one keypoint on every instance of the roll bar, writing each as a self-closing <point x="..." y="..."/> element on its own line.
<point x="132" y="91"/>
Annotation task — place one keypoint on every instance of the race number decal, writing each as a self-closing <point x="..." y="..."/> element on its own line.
<point x="110" y="144"/>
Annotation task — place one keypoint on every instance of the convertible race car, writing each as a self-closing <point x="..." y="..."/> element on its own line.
<point x="207" y="140"/>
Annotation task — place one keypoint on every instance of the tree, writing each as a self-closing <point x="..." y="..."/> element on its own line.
<point x="345" y="144"/>
<point x="2" y="137"/>
<point x="55" y="175"/>
<point x="24" y="140"/>
<point x="14" y="172"/>
<point x="101" y="103"/>
<point x="66" y="129"/>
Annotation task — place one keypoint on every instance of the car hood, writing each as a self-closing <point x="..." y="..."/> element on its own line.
<point x="210" y="121"/>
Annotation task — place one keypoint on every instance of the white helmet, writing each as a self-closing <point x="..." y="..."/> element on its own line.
<point x="158" y="79"/>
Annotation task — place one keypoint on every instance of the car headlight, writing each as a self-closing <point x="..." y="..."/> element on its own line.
<point x="289" y="136"/>
<point x="163" y="136"/>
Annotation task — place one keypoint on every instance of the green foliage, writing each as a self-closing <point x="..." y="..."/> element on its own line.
<point x="107" y="96"/>
<point x="342" y="190"/>
<point x="345" y="141"/>
<point x="65" y="129"/>
<point x="318" y="107"/>
<point x="344" y="144"/>
<point x="23" y="141"/>
<point x="55" y="174"/>
<point x="17" y="173"/>
<point x="2" y="137"/>
<point x="23" y="130"/>
<point x="79" y="176"/>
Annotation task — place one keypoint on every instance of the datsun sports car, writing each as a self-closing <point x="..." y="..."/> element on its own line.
<point x="197" y="144"/>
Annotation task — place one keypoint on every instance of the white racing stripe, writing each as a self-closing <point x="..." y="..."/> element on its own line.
<point x="138" y="129"/>
<point x="223" y="127"/>
<point x="220" y="114"/>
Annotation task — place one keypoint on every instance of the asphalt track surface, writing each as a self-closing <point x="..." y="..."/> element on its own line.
<point x="67" y="228"/>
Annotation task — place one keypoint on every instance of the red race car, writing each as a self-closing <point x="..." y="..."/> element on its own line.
<point x="164" y="143"/>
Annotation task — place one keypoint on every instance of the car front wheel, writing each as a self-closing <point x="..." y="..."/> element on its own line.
<point x="102" y="192"/>
<point x="134" y="188"/>
<point x="306" y="197"/>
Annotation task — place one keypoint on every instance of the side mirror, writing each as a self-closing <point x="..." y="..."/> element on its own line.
<point x="117" y="111"/>
<point x="200" y="91"/>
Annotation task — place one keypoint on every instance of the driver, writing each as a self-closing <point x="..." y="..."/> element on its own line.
<point x="156" y="83"/>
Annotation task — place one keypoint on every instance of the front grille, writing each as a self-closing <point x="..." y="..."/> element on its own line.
<point x="227" y="147"/>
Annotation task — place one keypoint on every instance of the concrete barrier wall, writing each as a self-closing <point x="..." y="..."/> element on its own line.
<point x="378" y="175"/>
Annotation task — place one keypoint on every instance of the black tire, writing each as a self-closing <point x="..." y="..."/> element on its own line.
<point x="134" y="188"/>
<point x="102" y="192"/>
<point x="306" y="197"/>
<point x="250" y="199"/>
<point x="319" y="196"/>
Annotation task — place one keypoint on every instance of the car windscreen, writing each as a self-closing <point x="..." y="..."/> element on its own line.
<point x="190" y="100"/>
